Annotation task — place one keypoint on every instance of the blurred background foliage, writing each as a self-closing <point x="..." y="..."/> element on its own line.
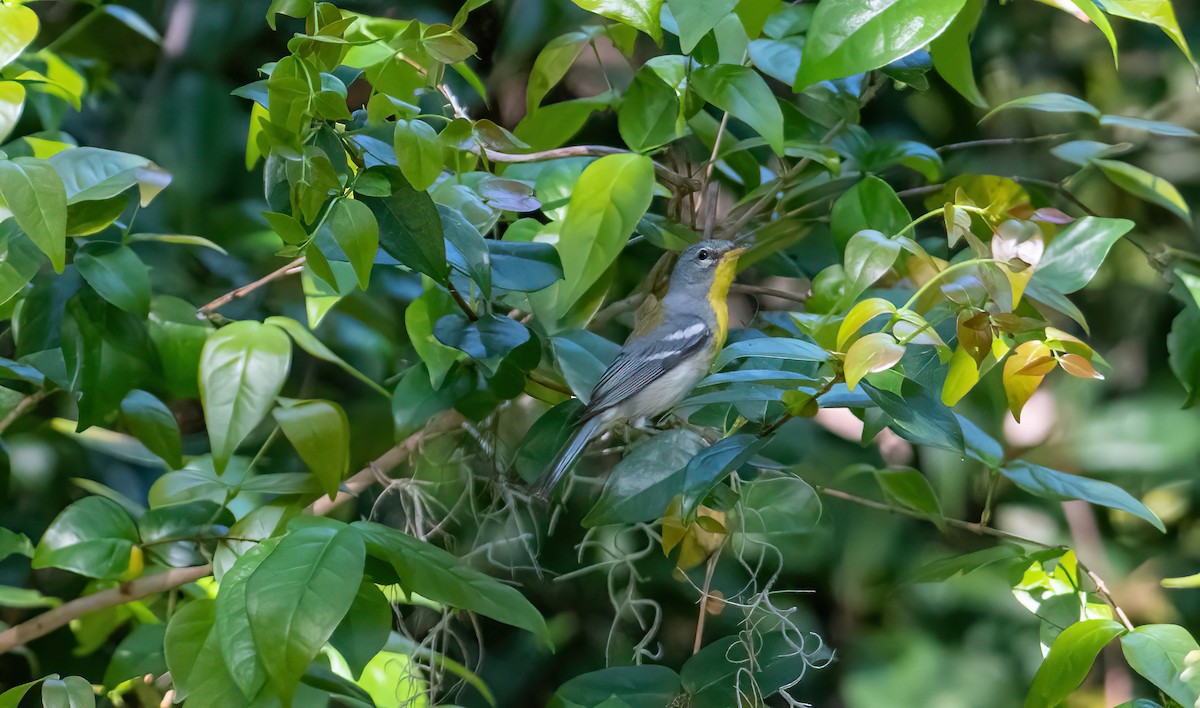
<point x="964" y="642"/>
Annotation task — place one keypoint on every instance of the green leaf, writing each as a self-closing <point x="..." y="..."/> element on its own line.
<point x="611" y="196"/>
<point x="639" y="14"/>
<point x="871" y="354"/>
<point x="870" y="204"/>
<point x="291" y="8"/>
<point x="1146" y="186"/>
<point x="12" y="104"/>
<point x="648" y="116"/>
<point x="954" y="566"/>
<point x="745" y="95"/>
<point x="1156" y="127"/>
<point x="419" y="153"/>
<point x="25" y="598"/>
<point x="951" y="52"/>
<point x="353" y="227"/>
<point x="524" y="267"/>
<point x="298" y="595"/>
<point x="714" y="676"/>
<point x="1069" y="661"/>
<point x="138" y="654"/>
<point x="34" y="193"/>
<point x="646" y="479"/>
<point x="242" y="369"/>
<point x="847" y="38"/>
<point x="771" y="348"/>
<point x="12" y="697"/>
<point x="582" y="357"/>
<point x="415" y="401"/>
<point x="1050" y="484"/>
<point x="1159" y="13"/>
<point x="775" y="506"/>
<point x="70" y="692"/>
<point x="320" y="432"/>
<point x="696" y="19"/>
<point x="489" y="336"/>
<point x="364" y="630"/>
<point x="552" y="125"/>
<point x="12" y="542"/>
<point x="95" y="174"/>
<point x="1183" y="345"/>
<point x="911" y="489"/>
<point x="410" y="230"/>
<point x="232" y="622"/>
<point x="869" y="256"/>
<point x="179" y="239"/>
<point x="713" y="464"/>
<point x="919" y="416"/>
<point x="1076" y="253"/>
<point x="315" y="347"/>
<point x="117" y="274"/>
<point x="466" y="249"/>
<point x="1098" y="18"/>
<point x="19" y="260"/>
<point x="1082" y="152"/>
<point x="433" y="573"/>
<point x="551" y="65"/>
<point x="198" y="672"/>
<point x="20" y="26"/>
<point x="1159" y="653"/>
<point x="92" y="537"/>
<point x="1048" y="103"/>
<point x="645" y="686"/>
<point x="152" y="423"/>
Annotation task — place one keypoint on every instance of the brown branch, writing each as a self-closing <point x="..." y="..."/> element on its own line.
<point x="676" y="180"/>
<point x="919" y="191"/>
<point x="22" y="406"/>
<point x="704" y="595"/>
<point x="289" y="269"/>
<point x="175" y="577"/>
<point x="461" y="302"/>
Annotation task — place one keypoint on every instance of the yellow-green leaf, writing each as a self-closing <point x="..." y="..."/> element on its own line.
<point x="871" y="354"/>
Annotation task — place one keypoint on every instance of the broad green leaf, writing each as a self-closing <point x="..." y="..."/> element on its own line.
<point x="415" y="401"/>
<point x="117" y="274"/>
<point x="12" y="542"/>
<point x="645" y="686"/>
<point x="1144" y="185"/>
<point x="1183" y="345"/>
<point x="1082" y="152"/>
<point x="11" y="698"/>
<point x="353" y="227"/>
<point x="12" y="104"/>
<point x="961" y="376"/>
<point x="94" y="174"/>
<point x="291" y="8"/>
<point x="1048" y="103"/>
<point x="242" y="370"/>
<point x="1159" y="13"/>
<point x="712" y="465"/>
<point x="869" y="256"/>
<point x="489" y="336"/>
<point x="770" y="348"/>
<point x="138" y="654"/>
<point x="745" y="95"/>
<point x="545" y="438"/>
<point x="1069" y="661"/>
<point x="180" y="535"/>
<point x="298" y="595"/>
<point x="1098" y="18"/>
<point x="25" y="598"/>
<point x="552" y="125"/>
<point x="179" y="239"/>
<point x="419" y="318"/>
<point x="696" y="19"/>
<point x="319" y="296"/>
<point x="524" y="267"/>
<point x="152" y="423"/>
<point x="919" y="416"/>
<point x="198" y="672"/>
<point x="320" y="432"/>
<point x="70" y="692"/>
<point x="859" y="315"/>
<point x="433" y="573"/>
<point x="871" y="354"/>
<point x="551" y="65"/>
<point x="92" y="537"/>
<point x="1159" y="653"/>
<point x="466" y="249"/>
<point x="232" y="622"/>
<point x="309" y="343"/>
<point x="1076" y="253"/>
<point x="582" y="357"/>
<point x="639" y="14"/>
<point x="646" y="479"/>
<point x="1156" y="127"/>
<point x="19" y="260"/>
<point x="911" y="489"/>
<point x="18" y="27"/>
<point x="35" y="195"/>
<point x="955" y="566"/>
<point x="775" y="506"/>
<point x="611" y="196"/>
<point x="419" y="153"/>
<point x="713" y="676"/>
<point x="951" y="52"/>
<point x="410" y="230"/>
<point x="364" y="630"/>
<point x="847" y="38"/>
<point x="777" y="58"/>
<point x="649" y="115"/>
<point x="870" y="204"/>
<point x="1051" y="484"/>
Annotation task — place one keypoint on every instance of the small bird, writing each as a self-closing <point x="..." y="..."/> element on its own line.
<point x="665" y="357"/>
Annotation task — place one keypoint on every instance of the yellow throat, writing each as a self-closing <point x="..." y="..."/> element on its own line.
<point x="722" y="279"/>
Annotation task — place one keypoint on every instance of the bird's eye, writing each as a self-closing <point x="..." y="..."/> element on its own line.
<point x="703" y="254"/>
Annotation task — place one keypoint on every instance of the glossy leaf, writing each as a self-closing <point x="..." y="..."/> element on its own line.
<point x="911" y="489"/>
<point x="298" y="595"/>
<point x="646" y="479"/>
<point x="649" y="113"/>
<point x="551" y="65"/>
<point x="870" y="204"/>
<point x="871" y="354"/>
<point x="153" y="424"/>
<point x="849" y="38"/>
<point x="92" y="537"/>
<point x="869" y="256"/>
<point x="713" y="464"/>
<point x="639" y="14"/>
<point x="1144" y="185"/>
<point x="696" y="19"/>
<point x="770" y="348"/>
<point x="198" y="672"/>
<point x="315" y="347"/>
<point x="12" y="104"/>
<point x="242" y="370"/>
<point x="745" y="95"/>
<point x="1098" y="18"/>
<point x="410" y="230"/>
<point x="778" y="506"/>
<point x="961" y="376"/>
<point x="34" y="193"/>
<point x="20" y="26"/>
<point x="320" y="432"/>
<point x="489" y="336"/>
<point x="1021" y="382"/>
<point x="364" y="630"/>
<point x="646" y="686"/>
<point x="419" y="153"/>
<point x="117" y="274"/>
<point x="1069" y="661"/>
<point x="951" y="52"/>
<point x="1048" y="103"/>
<point x="1050" y="484"/>
<point x="1157" y="127"/>
<point x="1159" y="13"/>
<point x="1159" y="653"/>
<point x="353" y="227"/>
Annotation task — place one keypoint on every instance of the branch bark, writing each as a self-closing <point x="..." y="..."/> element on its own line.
<point x="289" y="269"/>
<point x="136" y="589"/>
<point x="22" y="406"/>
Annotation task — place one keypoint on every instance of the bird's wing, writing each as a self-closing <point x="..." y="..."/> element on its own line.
<point x="646" y="358"/>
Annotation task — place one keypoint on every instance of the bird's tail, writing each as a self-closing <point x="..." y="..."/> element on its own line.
<point x="566" y="458"/>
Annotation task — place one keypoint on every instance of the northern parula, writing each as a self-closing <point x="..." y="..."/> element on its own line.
<point x="665" y="357"/>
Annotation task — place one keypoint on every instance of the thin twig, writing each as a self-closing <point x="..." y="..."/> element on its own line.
<point x="22" y="406"/>
<point x="1102" y="591"/>
<point x="669" y="176"/>
<point x="461" y="302"/>
<point x="990" y="142"/>
<point x="51" y="620"/>
<point x="768" y="292"/>
<point x="919" y="191"/>
<point x="290" y="269"/>
<point x="708" y="574"/>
